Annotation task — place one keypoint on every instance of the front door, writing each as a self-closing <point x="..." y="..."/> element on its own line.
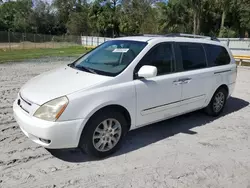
<point x="158" y="98"/>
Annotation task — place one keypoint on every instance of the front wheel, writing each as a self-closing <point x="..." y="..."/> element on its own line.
<point x="217" y="103"/>
<point x="103" y="134"/>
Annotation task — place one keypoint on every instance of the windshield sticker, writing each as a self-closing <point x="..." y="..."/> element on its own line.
<point x="121" y="50"/>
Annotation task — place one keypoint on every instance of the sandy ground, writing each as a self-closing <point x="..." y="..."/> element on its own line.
<point x="193" y="150"/>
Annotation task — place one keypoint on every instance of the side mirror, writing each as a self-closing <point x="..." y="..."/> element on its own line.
<point x="147" y="71"/>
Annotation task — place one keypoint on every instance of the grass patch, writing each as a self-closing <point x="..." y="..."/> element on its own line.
<point x="19" y="55"/>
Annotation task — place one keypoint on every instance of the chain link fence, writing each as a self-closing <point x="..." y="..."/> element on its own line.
<point x="93" y="41"/>
<point x="14" y="40"/>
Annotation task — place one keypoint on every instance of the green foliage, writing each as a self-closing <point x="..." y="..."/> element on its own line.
<point x="15" y="15"/>
<point x="175" y="17"/>
<point x="112" y="18"/>
<point x="244" y="11"/>
<point x="227" y="33"/>
<point x="78" y="22"/>
<point x="104" y="17"/>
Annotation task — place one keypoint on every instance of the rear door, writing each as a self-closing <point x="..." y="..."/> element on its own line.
<point x="196" y="79"/>
<point x="222" y="65"/>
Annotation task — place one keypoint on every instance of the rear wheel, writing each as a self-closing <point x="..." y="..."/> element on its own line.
<point x="103" y="134"/>
<point x="217" y="102"/>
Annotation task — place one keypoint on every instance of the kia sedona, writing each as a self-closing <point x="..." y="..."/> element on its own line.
<point x="121" y="85"/>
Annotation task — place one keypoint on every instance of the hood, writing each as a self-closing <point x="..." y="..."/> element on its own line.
<point x="59" y="82"/>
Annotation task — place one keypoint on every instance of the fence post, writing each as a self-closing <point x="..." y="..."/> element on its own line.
<point x="228" y="42"/>
<point x="53" y="42"/>
<point x="240" y="62"/>
<point x="92" y="41"/>
<point x="9" y="39"/>
<point x="35" y="39"/>
<point x="23" y="39"/>
<point x="44" y="40"/>
<point x="62" y="42"/>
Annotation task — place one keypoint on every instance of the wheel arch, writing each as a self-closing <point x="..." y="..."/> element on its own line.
<point x="115" y="107"/>
<point x="213" y="92"/>
<point x="224" y="86"/>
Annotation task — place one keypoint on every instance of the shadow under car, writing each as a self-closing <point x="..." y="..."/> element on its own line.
<point x="147" y="135"/>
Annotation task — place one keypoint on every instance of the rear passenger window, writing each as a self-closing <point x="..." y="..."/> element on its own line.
<point x="193" y="56"/>
<point x="217" y="55"/>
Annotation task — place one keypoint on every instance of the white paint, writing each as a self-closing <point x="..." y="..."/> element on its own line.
<point x="147" y="100"/>
<point x="147" y="71"/>
<point x="121" y="50"/>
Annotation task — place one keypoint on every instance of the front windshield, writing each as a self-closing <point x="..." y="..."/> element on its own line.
<point x="110" y="58"/>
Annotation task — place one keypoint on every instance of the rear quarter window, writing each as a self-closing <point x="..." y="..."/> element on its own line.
<point x="217" y="55"/>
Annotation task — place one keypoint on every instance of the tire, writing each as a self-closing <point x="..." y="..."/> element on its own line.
<point x="215" y="110"/>
<point x="96" y="126"/>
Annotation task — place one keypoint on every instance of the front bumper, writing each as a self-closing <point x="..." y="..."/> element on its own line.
<point x="65" y="134"/>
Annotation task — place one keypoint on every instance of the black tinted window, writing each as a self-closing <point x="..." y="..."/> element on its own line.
<point x="217" y="55"/>
<point x="193" y="56"/>
<point x="161" y="57"/>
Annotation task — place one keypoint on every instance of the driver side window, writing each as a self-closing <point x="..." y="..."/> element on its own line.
<point x="161" y="56"/>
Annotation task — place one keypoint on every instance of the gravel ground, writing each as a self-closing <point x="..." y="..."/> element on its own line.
<point x="193" y="150"/>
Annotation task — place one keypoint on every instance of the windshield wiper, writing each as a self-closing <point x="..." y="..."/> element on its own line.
<point x="112" y="64"/>
<point x="86" y="69"/>
<point x="70" y="64"/>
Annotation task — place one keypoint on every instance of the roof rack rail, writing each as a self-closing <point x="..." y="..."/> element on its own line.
<point x="191" y="36"/>
<point x="153" y="35"/>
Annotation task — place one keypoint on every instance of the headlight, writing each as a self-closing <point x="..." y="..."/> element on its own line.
<point x="52" y="110"/>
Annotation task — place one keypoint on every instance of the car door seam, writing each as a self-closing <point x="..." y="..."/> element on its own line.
<point x="222" y="71"/>
<point x="151" y="108"/>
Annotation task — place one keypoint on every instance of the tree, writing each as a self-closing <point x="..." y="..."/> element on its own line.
<point x="63" y="9"/>
<point x="15" y="15"/>
<point x="224" y="6"/>
<point x="244" y="13"/>
<point x="139" y="16"/>
<point x="175" y="17"/>
<point x="105" y="17"/>
<point x="113" y="18"/>
<point x="196" y="6"/>
<point x="78" y="22"/>
<point x="43" y="19"/>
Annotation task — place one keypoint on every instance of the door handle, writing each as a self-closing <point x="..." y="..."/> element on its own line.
<point x="186" y="80"/>
<point x="182" y="81"/>
<point x="177" y="82"/>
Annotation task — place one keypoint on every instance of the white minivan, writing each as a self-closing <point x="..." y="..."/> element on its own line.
<point x="123" y="84"/>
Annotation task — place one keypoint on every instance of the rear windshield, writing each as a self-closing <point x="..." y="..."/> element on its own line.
<point x="110" y="58"/>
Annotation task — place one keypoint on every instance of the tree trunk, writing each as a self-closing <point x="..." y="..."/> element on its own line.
<point x="223" y="17"/>
<point x="198" y="22"/>
<point x="195" y="23"/>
